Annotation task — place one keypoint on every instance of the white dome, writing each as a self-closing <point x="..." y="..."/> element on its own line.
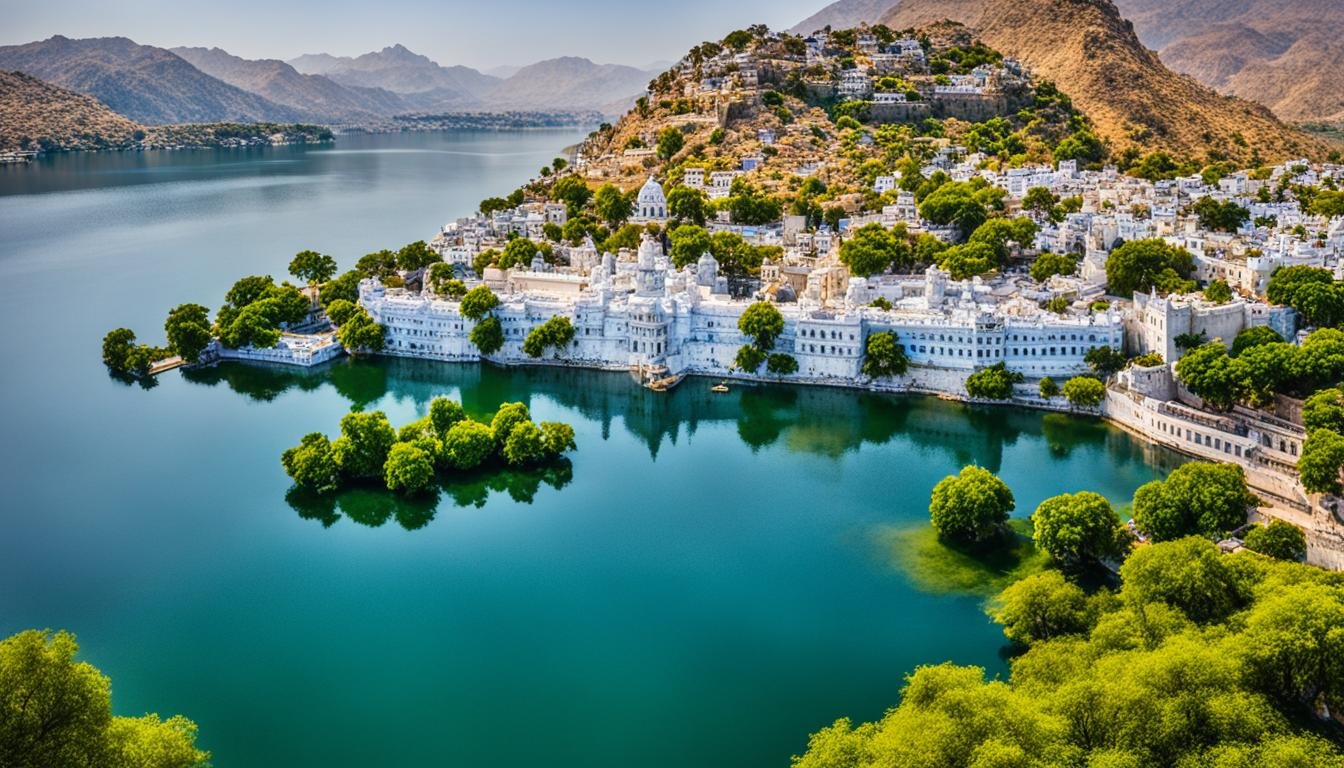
<point x="652" y="193"/>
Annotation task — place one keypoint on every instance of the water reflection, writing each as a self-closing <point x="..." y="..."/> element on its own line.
<point x="812" y="420"/>
<point x="373" y="506"/>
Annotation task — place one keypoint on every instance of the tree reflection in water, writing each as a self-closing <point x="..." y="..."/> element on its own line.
<point x="373" y="506"/>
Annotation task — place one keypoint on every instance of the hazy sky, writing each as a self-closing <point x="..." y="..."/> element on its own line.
<point x="485" y="33"/>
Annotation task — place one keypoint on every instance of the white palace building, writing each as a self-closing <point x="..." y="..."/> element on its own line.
<point x="645" y="315"/>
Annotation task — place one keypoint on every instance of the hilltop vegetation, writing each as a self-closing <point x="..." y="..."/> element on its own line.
<point x="1136" y="103"/>
<point x="36" y="115"/>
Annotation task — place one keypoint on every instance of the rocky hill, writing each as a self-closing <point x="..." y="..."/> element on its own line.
<point x="1286" y="54"/>
<point x="572" y="82"/>
<point x="843" y="14"/>
<point x="35" y="115"/>
<point x="314" y="95"/>
<point x="1134" y="100"/>
<point x="147" y="84"/>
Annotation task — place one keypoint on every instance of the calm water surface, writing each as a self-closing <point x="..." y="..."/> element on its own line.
<point x="704" y="585"/>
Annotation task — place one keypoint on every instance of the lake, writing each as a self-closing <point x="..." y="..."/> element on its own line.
<point x="710" y="579"/>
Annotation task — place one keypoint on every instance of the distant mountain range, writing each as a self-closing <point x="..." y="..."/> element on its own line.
<point x="1285" y="54"/>
<point x="563" y="83"/>
<point x="147" y="84"/>
<point x="153" y="85"/>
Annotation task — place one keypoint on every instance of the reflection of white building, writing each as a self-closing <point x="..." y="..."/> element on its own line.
<point x="651" y="204"/>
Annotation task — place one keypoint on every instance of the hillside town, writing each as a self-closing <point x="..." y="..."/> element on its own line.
<point x="633" y="309"/>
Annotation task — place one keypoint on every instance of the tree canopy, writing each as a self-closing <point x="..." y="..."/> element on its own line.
<point x="1196" y="498"/>
<point x="1140" y="265"/>
<point x="312" y="267"/>
<point x="56" y="711"/>
<point x="1078" y="528"/>
<point x="970" y="507"/>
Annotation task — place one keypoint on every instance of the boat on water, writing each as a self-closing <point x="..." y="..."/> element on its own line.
<point x="720" y="388"/>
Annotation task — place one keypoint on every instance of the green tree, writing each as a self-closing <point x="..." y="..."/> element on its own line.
<point x="873" y="249"/>
<point x="1286" y="282"/>
<point x="1048" y="388"/>
<point x="999" y="233"/>
<point x="1208" y="372"/>
<point x="993" y="383"/>
<point x="118" y="345"/>
<point x="188" y="331"/>
<point x="612" y="205"/>
<point x="1324" y="410"/>
<point x="56" y="711"/>
<point x="1220" y="217"/>
<point x="955" y="204"/>
<point x="1187" y="574"/>
<point x="689" y="243"/>
<point x="444" y="414"/>
<point x="487" y="335"/>
<point x="344" y="287"/>
<point x="478" y="302"/>
<point x="525" y="444"/>
<point x="557" y="333"/>
<point x="748" y="205"/>
<point x="1218" y="291"/>
<point x="360" y="334"/>
<point x="312" y="267"/>
<point x="1084" y="392"/>
<point x="670" y="142"/>
<point x="361" y="450"/>
<point x="749" y="358"/>
<point x="971" y="507"/>
<point x="408" y="469"/>
<point x="968" y="260"/>
<point x="1078" y="528"/>
<point x="557" y="437"/>
<point x="1140" y="264"/>
<point x="884" y="357"/>
<point x="1196" y="498"/>
<point x="1048" y="264"/>
<point x="781" y="364"/>
<point x="573" y="192"/>
<point x="312" y="464"/>
<point x="1321" y="461"/>
<point x="1260" y="334"/>
<point x="467" y="444"/>
<point x="1279" y="539"/>
<point x="378" y="264"/>
<point x="762" y="323"/>
<point x="687" y="204"/>
<point x="340" y="311"/>
<point x="1040" y="201"/>
<point x="508" y="416"/>
<point x="1043" y="607"/>
<point x="1293" y="647"/>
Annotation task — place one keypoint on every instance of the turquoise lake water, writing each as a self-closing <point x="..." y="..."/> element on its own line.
<point x="705" y="584"/>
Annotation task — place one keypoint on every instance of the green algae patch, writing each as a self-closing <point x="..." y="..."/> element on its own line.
<point x="937" y="567"/>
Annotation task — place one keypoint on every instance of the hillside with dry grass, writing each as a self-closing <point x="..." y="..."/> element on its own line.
<point x="1286" y="54"/>
<point x="35" y="115"/>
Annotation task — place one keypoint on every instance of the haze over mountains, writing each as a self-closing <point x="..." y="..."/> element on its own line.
<point x="1285" y="54"/>
<point x="154" y="85"/>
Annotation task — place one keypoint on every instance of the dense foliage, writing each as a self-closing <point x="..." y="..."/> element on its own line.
<point x="1196" y="498"/>
<point x="971" y="507"/>
<point x="56" y="711"/>
<point x="1199" y="659"/>
<point x="410" y="460"/>
<point x="1142" y="265"/>
<point x="993" y="383"/>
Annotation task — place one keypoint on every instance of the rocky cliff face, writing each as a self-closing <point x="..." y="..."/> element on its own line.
<point x="1094" y="55"/>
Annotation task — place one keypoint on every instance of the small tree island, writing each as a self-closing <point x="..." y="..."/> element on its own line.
<point x="409" y="460"/>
